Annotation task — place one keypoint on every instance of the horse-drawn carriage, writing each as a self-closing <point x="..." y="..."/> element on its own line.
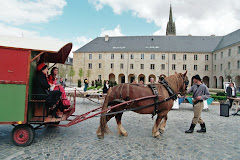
<point x="20" y="108"/>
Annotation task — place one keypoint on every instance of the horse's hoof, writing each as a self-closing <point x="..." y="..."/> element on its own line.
<point x="161" y="131"/>
<point x="100" y="136"/>
<point x="157" y="136"/>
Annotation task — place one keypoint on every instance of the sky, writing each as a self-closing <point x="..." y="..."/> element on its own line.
<point x="80" y="21"/>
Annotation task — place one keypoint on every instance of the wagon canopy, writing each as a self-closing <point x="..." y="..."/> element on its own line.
<point x="53" y="51"/>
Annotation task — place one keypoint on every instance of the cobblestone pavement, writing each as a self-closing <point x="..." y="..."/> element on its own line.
<point x="80" y="142"/>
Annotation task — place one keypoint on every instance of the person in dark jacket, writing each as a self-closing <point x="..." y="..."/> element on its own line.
<point x="42" y="87"/>
<point x="231" y="93"/>
<point x="106" y="87"/>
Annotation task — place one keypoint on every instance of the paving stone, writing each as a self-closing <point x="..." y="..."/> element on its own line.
<point x="80" y="141"/>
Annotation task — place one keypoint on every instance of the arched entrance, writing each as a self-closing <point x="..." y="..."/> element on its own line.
<point x="206" y="81"/>
<point x="131" y="78"/>
<point x="121" y="78"/>
<point x="228" y="78"/>
<point x="237" y="82"/>
<point x="112" y="77"/>
<point x="220" y="82"/>
<point x="214" y="82"/>
<point x="151" y="76"/>
<point x="141" y="77"/>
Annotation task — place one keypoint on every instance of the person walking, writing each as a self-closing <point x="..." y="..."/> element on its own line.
<point x="86" y="84"/>
<point x="200" y="93"/>
<point x="231" y="93"/>
<point x="106" y="87"/>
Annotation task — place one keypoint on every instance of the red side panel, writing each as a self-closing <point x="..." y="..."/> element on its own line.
<point x="13" y="65"/>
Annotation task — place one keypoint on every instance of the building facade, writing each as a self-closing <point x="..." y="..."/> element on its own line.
<point x="133" y="58"/>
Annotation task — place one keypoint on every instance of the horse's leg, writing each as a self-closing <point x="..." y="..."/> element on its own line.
<point x="155" y="131"/>
<point x="121" y="130"/>
<point x="163" y="124"/>
<point x="99" y="132"/>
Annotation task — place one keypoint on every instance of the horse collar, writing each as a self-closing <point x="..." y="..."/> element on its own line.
<point x="168" y="88"/>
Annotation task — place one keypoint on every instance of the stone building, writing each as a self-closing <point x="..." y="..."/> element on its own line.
<point x="124" y="59"/>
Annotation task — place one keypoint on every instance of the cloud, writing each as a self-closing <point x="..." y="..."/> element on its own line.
<point x="115" y="32"/>
<point x="192" y="17"/>
<point x="18" y="12"/>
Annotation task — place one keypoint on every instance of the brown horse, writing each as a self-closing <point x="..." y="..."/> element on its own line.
<point x="178" y="82"/>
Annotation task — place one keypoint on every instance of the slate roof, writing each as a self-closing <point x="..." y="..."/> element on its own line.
<point x="230" y="39"/>
<point x="183" y="44"/>
<point x="152" y="44"/>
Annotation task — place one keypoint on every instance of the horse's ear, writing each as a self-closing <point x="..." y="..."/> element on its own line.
<point x="185" y="74"/>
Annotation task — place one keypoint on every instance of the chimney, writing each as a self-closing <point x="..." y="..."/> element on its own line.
<point x="189" y="35"/>
<point x="106" y="38"/>
<point x="213" y="35"/>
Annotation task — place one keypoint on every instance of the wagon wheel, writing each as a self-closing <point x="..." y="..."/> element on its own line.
<point x="23" y="135"/>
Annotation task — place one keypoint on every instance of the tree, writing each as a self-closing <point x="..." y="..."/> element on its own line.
<point x="72" y="73"/>
<point x="88" y="74"/>
<point x="80" y="73"/>
<point x="62" y="72"/>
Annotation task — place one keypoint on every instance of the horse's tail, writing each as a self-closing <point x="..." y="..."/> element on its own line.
<point x="103" y="120"/>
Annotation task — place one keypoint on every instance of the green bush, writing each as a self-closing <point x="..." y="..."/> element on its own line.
<point x="92" y="87"/>
<point x="221" y="94"/>
<point x="218" y="98"/>
<point x="79" y="83"/>
<point x="98" y="87"/>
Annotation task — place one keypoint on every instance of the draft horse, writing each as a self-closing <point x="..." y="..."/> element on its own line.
<point x="124" y="92"/>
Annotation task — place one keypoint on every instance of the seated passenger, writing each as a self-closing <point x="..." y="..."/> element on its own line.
<point x="52" y="79"/>
<point x="42" y="87"/>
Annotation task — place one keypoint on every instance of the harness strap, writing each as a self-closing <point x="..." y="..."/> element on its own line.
<point x="155" y="92"/>
<point x="138" y="108"/>
<point x="168" y="88"/>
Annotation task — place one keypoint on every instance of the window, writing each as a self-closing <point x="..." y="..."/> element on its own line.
<point x="152" y="56"/>
<point x="229" y="65"/>
<point x="238" y="64"/>
<point x="206" y="57"/>
<point x="89" y="65"/>
<point x="100" y="77"/>
<point x="100" y="56"/>
<point x="112" y="65"/>
<point x="121" y="66"/>
<point x="122" y="56"/>
<point x="195" y="57"/>
<point x="184" y="67"/>
<point x="173" y="67"/>
<point x="142" y="66"/>
<point x="195" y="67"/>
<point x="163" y="57"/>
<point x="184" y="57"/>
<point x="142" y="56"/>
<point x="90" y="56"/>
<point x="132" y="56"/>
<point x="229" y="52"/>
<point x="131" y="66"/>
<point x="238" y="49"/>
<point x="152" y="66"/>
<point x="221" y="67"/>
<point x="206" y="67"/>
<point x="173" y="56"/>
<point x="163" y="66"/>
<point x="215" y="56"/>
<point x="221" y="54"/>
<point x="99" y="65"/>
<point x="112" y="56"/>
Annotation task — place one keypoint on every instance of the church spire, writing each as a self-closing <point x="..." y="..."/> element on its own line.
<point x="171" y="29"/>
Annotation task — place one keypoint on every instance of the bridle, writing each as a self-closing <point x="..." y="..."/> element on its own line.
<point x="186" y="82"/>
